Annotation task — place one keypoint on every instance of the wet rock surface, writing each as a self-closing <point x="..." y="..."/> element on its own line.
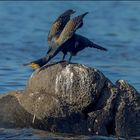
<point x="73" y="98"/>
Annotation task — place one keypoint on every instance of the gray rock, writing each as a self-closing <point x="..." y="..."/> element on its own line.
<point x="73" y="98"/>
<point x="75" y="85"/>
<point x="127" y="118"/>
<point x="12" y="114"/>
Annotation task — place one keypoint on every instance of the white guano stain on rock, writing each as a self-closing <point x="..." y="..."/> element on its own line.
<point x="56" y="83"/>
<point x="85" y="66"/>
<point x="66" y="76"/>
<point x="31" y="94"/>
<point x="121" y="81"/>
<point x="31" y="75"/>
<point x="83" y="75"/>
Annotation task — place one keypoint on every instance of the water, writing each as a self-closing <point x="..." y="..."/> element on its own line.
<point x="114" y="25"/>
<point x="42" y="135"/>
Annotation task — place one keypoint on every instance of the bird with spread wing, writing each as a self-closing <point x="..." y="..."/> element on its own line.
<point x="53" y="34"/>
<point x="62" y="38"/>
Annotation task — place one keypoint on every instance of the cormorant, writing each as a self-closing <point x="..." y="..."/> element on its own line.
<point x="66" y="42"/>
<point x="58" y="44"/>
<point x="73" y="46"/>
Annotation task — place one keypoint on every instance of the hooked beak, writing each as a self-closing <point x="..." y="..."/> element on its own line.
<point x="32" y="65"/>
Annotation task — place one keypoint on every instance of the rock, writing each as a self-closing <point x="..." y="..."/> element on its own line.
<point x="61" y="104"/>
<point x="101" y="119"/>
<point x="73" y="98"/>
<point x="73" y="84"/>
<point x="12" y="114"/>
<point x="127" y="118"/>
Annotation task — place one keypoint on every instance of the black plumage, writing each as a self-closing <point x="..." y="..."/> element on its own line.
<point x="66" y="40"/>
<point x="76" y="44"/>
<point x="73" y="46"/>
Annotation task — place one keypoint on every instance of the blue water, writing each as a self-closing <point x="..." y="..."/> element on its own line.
<point x="114" y="25"/>
<point x="32" y="134"/>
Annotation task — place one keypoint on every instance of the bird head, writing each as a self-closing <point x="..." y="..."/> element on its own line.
<point x="33" y="65"/>
<point x="36" y="64"/>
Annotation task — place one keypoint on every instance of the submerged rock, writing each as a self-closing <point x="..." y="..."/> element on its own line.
<point x="73" y="98"/>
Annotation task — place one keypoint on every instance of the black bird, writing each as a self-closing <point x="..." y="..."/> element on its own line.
<point x="54" y="32"/>
<point x="73" y="46"/>
<point x="65" y="37"/>
<point x="57" y="44"/>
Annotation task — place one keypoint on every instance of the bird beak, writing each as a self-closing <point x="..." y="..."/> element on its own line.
<point x="33" y="65"/>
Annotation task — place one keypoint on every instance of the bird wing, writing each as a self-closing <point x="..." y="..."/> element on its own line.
<point x="70" y="29"/>
<point x="59" y="24"/>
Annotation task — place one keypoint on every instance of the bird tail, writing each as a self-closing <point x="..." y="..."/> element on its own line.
<point x="98" y="47"/>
